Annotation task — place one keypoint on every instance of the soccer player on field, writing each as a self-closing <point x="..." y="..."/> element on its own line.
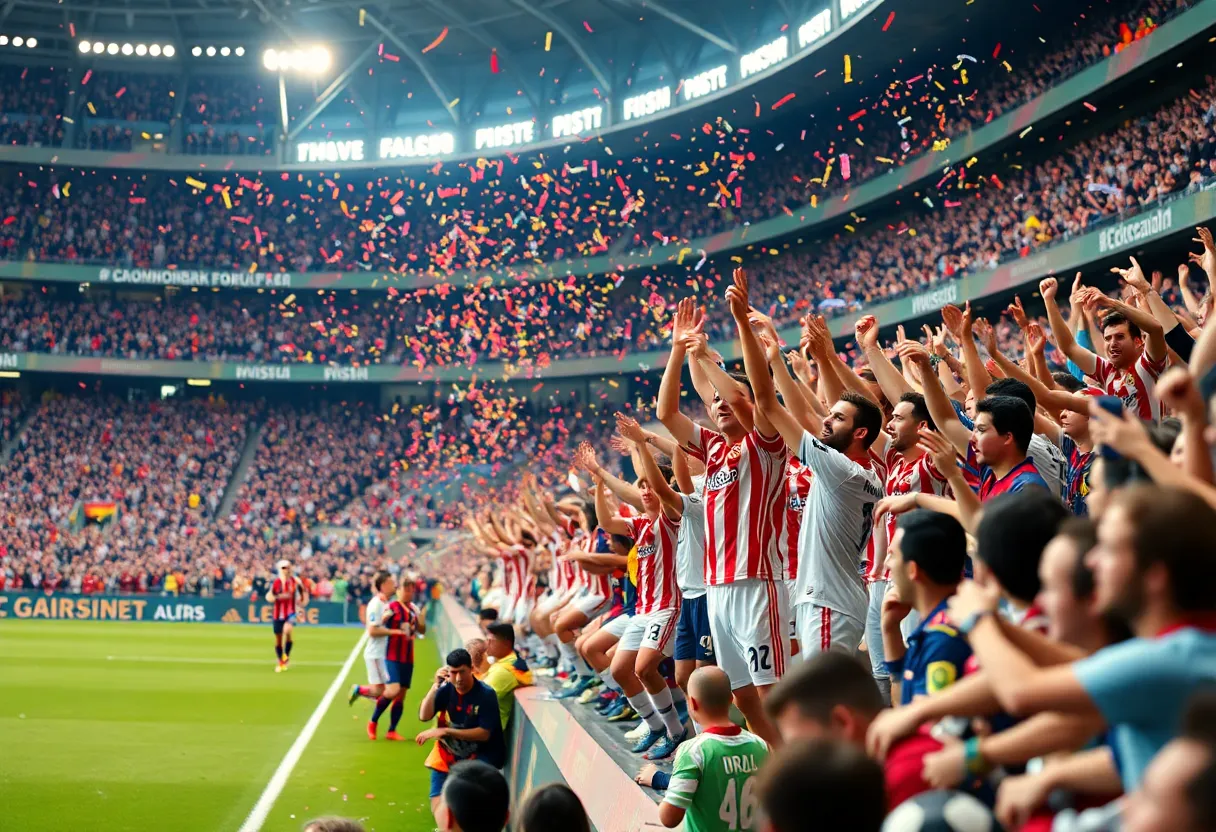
<point x="375" y="652"/>
<point x="402" y="616"/>
<point x="830" y="606"/>
<point x="284" y="593"/>
<point x="744" y="497"/>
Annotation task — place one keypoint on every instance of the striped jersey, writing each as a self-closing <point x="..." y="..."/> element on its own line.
<point x="1136" y="386"/>
<point x="656" y="545"/>
<point x="401" y="617"/>
<point x="284" y="608"/>
<point x="517" y="570"/>
<point x="745" y="494"/>
<point x="910" y="476"/>
<point x="798" y="486"/>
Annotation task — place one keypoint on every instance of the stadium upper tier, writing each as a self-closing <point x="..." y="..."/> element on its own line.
<point x="589" y="208"/>
<point x="1010" y="224"/>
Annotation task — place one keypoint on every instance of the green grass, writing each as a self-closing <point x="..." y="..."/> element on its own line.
<point x="116" y="726"/>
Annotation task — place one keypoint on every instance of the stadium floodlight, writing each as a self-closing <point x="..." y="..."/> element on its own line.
<point x="196" y="51"/>
<point x="240" y="51"/>
<point x="225" y="51"/>
<point x="154" y="50"/>
<point x="18" y="41"/>
<point x="127" y="49"/>
<point x="85" y="46"/>
<point x="112" y="49"/>
<point x="31" y="42"/>
<point x="3" y="40"/>
<point x="210" y="51"/>
<point x="169" y="50"/>
<point x="141" y="49"/>
<point x="98" y="47"/>
<point x="308" y="60"/>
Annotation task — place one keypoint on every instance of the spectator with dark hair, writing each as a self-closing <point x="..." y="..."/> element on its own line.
<point x="333" y="824"/>
<point x="553" y="807"/>
<point x="509" y="670"/>
<point x="469" y="724"/>
<point x="475" y="798"/>
<point x="1178" y="792"/>
<point x="822" y="784"/>
<point x="1013" y="531"/>
<point x="485" y="617"/>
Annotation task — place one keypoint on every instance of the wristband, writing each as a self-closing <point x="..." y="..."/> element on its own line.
<point x="973" y="760"/>
<point x="934" y="360"/>
<point x="895" y="668"/>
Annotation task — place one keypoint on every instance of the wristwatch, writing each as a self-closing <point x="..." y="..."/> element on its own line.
<point x="970" y="621"/>
<point x="934" y="360"/>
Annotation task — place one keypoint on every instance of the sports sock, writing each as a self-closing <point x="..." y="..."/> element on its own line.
<point x="569" y="655"/>
<point x="667" y="712"/>
<point x="645" y="709"/>
<point x="677" y="695"/>
<point x="583" y="668"/>
<point x="382" y="704"/>
<point x="609" y="682"/>
<point x="394" y="714"/>
<point x="552" y="645"/>
<point x="366" y="692"/>
<point x="278" y="651"/>
<point x="288" y="647"/>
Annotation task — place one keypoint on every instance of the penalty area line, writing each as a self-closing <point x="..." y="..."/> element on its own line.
<point x="261" y="810"/>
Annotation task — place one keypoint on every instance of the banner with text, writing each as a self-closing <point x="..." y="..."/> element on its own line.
<point x="38" y="605"/>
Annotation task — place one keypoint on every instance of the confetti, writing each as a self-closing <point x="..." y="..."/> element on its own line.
<point x="443" y="34"/>
<point x="890" y="20"/>
<point x="548" y="41"/>
<point x="788" y="97"/>
<point x="848" y="69"/>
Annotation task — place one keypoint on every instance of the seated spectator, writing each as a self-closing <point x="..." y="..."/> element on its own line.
<point x="554" y="806"/>
<point x="831" y="781"/>
<point x="475" y="799"/>
<point x="508" y="671"/>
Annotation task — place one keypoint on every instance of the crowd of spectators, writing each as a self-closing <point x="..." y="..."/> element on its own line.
<point x="31" y="105"/>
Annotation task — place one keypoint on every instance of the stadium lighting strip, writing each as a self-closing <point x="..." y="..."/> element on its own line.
<point x="18" y="41"/>
<point x="139" y="50"/>
<point x="221" y="51"/>
<point x="832" y="19"/>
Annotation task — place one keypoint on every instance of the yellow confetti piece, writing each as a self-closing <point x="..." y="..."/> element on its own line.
<point x="736" y="258"/>
<point x="939" y="86"/>
<point x="885" y="160"/>
<point x="682" y="254"/>
<point x="1024" y="132"/>
<point x="612" y="383"/>
<point x="227" y="199"/>
<point x="548" y="40"/>
<point x="453" y="102"/>
<point x="194" y="183"/>
<point x="848" y="69"/>
<point x="814" y="200"/>
<point x="66" y="188"/>
<point x="1005" y="64"/>
<point x="963" y="75"/>
<point x="92" y="109"/>
<point x="850" y="228"/>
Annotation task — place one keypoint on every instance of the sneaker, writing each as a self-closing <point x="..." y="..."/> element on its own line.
<point x="627" y="714"/>
<point x="605" y="700"/>
<point x="354" y="694"/>
<point x="637" y="732"/>
<point x="682" y="711"/>
<point x="393" y="735"/>
<point x="286" y="661"/>
<point x="645" y="743"/>
<point x="569" y="692"/>
<point x="278" y="668"/>
<point x="371" y="730"/>
<point x="665" y="748"/>
<point x="614" y="708"/>
<point x="587" y="696"/>
<point x="590" y="683"/>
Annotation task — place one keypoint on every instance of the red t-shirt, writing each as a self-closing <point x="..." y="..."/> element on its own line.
<point x="904" y="767"/>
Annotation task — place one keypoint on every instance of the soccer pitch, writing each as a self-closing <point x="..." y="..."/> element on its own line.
<point x="116" y="726"/>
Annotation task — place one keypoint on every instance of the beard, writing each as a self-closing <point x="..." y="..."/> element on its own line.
<point x="1129" y="604"/>
<point x="838" y="441"/>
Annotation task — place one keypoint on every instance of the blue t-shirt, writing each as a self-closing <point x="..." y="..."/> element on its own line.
<point x="937" y="654"/>
<point x="1141" y="688"/>
<point x="476" y="709"/>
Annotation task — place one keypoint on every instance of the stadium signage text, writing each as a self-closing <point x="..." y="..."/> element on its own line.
<point x="503" y="135"/>
<point x="134" y="608"/>
<point x="580" y="121"/>
<point x="193" y="277"/>
<point x="934" y="300"/>
<point x="817" y="28"/>
<point x="647" y="103"/>
<point x="1132" y="231"/>
<point x="347" y="374"/>
<point x="768" y="55"/>
<point x="9" y="361"/>
<point x="704" y="83"/>
<point x="262" y="372"/>
<point x="413" y="147"/>
<point x="848" y="8"/>
<point x="348" y="150"/>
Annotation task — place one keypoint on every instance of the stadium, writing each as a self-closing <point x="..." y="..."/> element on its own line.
<point x="571" y="343"/>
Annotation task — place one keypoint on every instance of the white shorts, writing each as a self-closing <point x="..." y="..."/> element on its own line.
<point x="654" y="631"/>
<point x="506" y="614"/>
<point x="553" y="601"/>
<point x="523" y="610"/>
<point x="823" y="629"/>
<point x="592" y="605"/>
<point x="377" y="671"/>
<point x="789" y="590"/>
<point x="749" y="622"/>
<point x="618" y="625"/>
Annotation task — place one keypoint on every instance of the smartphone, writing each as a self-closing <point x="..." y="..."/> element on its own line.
<point x="1118" y="469"/>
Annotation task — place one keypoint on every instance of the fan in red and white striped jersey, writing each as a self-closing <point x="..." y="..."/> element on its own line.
<point x="798" y="486"/>
<point x="656" y="544"/>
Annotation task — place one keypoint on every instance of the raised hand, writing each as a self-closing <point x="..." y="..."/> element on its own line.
<point x="1205" y="259"/>
<point x="915" y="352"/>
<point x="1133" y="277"/>
<point x="866" y="332"/>
<point x="584" y="457"/>
<point x="1018" y="314"/>
<point x="619" y="445"/>
<point x="986" y="335"/>
<point x="763" y="325"/>
<point x="816" y="330"/>
<point x="1177" y="390"/>
<point x="798" y="362"/>
<point x="689" y="319"/>
<point x="1048" y="286"/>
<point x="938" y="448"/>
<point x="1036" y="339"/>
<point x="1184" y="275"/>
<point x="737" y="296"/>
<point x="628" y="427"/>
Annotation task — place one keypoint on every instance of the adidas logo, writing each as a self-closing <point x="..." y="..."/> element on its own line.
<point x="232" y="617"/>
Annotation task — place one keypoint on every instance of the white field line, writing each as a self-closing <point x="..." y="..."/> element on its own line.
<point x="206" y="660"/>
<point x="261" y="809"/>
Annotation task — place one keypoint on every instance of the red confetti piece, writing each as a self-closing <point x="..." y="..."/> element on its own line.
<point x="436" y="41"/>
<point x="996" y="51"/>
<point x="72" y="29"/>
<point x="494" y="61"/>
<point x="855" y="115"/>
<point x="121" y="92"/>
<point x="784" y="100"/>
<point x="890" y="20"/>
<point x="1090" y="107"/>
<point x="587" y="26"/>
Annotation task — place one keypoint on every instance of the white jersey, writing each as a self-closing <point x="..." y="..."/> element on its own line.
<point x="1051" y="462"/>
<point x="377" y="646"/>
<point x="690" y="548"/>
<point x="836" y="525"/>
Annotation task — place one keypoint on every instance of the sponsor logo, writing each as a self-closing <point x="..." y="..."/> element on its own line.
<point x="180" y="612"/>
<point x="261" y="372"/>
<point x="347" y="374"/>
<point x="722" y="478"/>
<point x="231" y="617"/>
<point x="8" y="361"/>
<point x="647" y="551"/>
<point x="194" y="277"/>
<point x="815" y="29"/>
<point x="1132" y="231"/>
<point x="934" y="300"/>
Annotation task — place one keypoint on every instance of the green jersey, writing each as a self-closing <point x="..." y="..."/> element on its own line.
<point x="713" y="780"/>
